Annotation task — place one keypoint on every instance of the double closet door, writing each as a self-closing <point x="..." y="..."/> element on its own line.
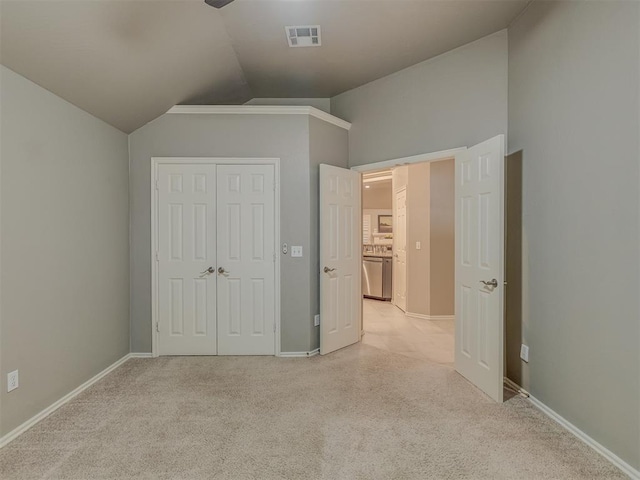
<point x="215" y="259"/>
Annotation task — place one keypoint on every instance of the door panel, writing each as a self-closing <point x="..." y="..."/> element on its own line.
<point x="479" y="262"/>
<point x="246" y="259"/>
<point x="340" y="258"/>
<point x="186" y="247"/>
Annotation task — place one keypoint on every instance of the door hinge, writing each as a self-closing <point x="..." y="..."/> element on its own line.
<point x="157" y="188"/>
<point x="157" y="328"/>
<point x="274" y="186"/>
<point x="157" y="257"/>
<point x="274" y="257"/>
<point x="274" y="328"/>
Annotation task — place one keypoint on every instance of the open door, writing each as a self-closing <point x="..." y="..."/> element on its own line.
<point x="340" y="258"/>
<point x="479" y="283"/>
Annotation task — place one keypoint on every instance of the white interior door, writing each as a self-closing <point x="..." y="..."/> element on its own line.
<point x="479" y="265"/>
<point x="400" y="250"/>
<point x="340" y="258"/>
<point x="246" y="259"/>
<point x="186" y="322"/>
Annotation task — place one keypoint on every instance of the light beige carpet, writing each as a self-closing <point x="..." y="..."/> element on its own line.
<point x="360" y="413"/>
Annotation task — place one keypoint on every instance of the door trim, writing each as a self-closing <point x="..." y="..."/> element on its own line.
<point x="398" y="162"/>
<point x="449" y="154"/>
<point x="155" y="163"/>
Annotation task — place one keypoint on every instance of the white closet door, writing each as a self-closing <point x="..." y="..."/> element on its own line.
<point x="246" y="259"/>
<point x="186" y="322"/>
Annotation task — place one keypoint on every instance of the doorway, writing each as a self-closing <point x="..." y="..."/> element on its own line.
<point x="214" y="266"/>
<point x="416" y="319"/>
<point x="479" y="259"/>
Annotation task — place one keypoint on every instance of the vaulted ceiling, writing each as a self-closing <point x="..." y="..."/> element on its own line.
<point x="129" y="61"/>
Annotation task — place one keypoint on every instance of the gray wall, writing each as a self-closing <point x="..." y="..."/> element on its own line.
<point x="442" y="238"/>
<point x="418" y="230"/>
<point x="456" y="99"/>
<point x="378" y="196"/>
<point x="65" y="247"/>
<point x="431" y="221"/>
<point x="516" y="369"/>
<point x="573" y="110"/>
<point x="285" y="137"/>
<point x="330" y="145"/>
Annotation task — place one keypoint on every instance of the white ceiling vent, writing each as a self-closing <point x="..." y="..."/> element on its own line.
<point x="303" y="36"/>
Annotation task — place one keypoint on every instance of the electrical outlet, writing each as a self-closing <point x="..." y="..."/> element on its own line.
<point x="316" y="321"/>
<point x="524" y="353"/>
<point x="12" y="380"/>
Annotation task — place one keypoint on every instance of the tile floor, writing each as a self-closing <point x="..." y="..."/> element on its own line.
<point x="388" y="328"/>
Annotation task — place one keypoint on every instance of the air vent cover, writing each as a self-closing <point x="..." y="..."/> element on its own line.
<point x="303" y="35"/>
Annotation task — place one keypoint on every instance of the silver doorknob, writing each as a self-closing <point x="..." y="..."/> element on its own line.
<point x="328" y="270"/>
<point x="222" y="271"/>
<point x="208" y="271"/>
<point x="493" y="283"/>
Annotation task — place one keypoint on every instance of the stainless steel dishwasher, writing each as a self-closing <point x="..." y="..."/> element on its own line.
<point x="376" y="277"/>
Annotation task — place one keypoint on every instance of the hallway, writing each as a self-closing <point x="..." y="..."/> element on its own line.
<point x="386" y="327"/>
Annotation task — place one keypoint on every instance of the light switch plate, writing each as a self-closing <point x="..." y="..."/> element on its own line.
<point x="316" y="321"/>
<point x="418" y="246"/>
<point x="524" y="353"/>
<point x="296" y="251"/>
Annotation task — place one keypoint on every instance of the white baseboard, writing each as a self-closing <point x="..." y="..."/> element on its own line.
<point x="141" y="355"/>
<point x="430" y="317"/>
<point x="19" y="430"/>
<point x="312" y="353"/>
<point x="605" y="452"/>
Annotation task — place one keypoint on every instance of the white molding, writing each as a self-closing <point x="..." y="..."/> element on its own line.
<point x="19" y="430"/>
<point x="423" y="157"/>
<point x="312" y="353"/>
<point x="259" y="110"/>
<point x="141" y="355"/>
<point x="602" y="450"/>
<point x="155" y="162"/>
<point x="430" y="317"/>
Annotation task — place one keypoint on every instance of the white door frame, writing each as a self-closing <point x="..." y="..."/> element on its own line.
<point x="399" y="162"/>
<point x="155" y="163"/>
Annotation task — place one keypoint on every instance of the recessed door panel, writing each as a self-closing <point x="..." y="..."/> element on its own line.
<point x="200" y="306"/>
